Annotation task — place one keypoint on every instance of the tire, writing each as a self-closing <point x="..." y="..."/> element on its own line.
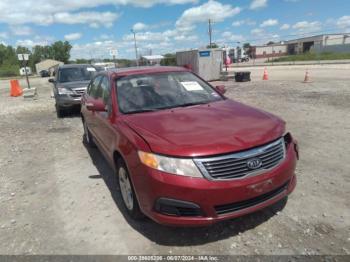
<point x="127" y="191"/>
<point x="87" y="137"/>
<point x="59" y="111"/>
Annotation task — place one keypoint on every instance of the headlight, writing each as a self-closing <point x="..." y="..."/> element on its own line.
<point x="176" y="166"/>
<point x="64" y="91"/>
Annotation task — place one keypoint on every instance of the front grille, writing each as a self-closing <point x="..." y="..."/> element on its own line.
<point x="237" y="165"/>
<point x="229" y="208"/>
<point x="78" y="92"/>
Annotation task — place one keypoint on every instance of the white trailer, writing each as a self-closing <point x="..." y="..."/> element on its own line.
<point x="207" y="63"/>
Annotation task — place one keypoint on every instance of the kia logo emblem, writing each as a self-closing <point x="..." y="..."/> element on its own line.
<point x="254" y="163"/>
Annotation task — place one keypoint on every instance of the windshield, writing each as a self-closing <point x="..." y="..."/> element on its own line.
<point x="151" y="92"/>
<point x="73" y="74"/>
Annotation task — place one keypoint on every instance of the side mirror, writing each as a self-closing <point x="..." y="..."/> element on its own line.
<point x="221" y="89"/>
<point x="97" y="106"/>
<point x="51" y="80"/>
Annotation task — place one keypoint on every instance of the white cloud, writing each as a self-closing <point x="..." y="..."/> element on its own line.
<point x="4" y="35"/>
<point x="306" y="27"/>
<point x="30" y="43"/>
<point x="139" y="26"/>
<point x="97" y="49"/>
<point x="257" y="32"/>
<point x="168" y="41"/>
<point x="73" y="36"/>
<point x="269" y="22"/>
<point x="94" y="19"/>
<point x="43" y="12"/>
<point x="228" y="36"/>
<point x="186" y="38"/>
<point x="211" y="10"/>
<point x="285" y="27"/>
<point x="243" y="22"/>
<point x="256" y="4"/>
<point x="146" y="36"/>
<point x="105" y="36"/>
<point x="21" y="30"/>
<point x="343" y="22"/>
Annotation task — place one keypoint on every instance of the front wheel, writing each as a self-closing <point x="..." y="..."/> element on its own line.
<point x="59" y="111"/>
<point x="127" y="191"/>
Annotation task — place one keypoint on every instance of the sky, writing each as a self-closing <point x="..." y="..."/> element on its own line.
<point x="94" y="27"/>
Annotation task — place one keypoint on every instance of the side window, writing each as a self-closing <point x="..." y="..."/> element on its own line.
<point x="106" y="96"/>
<point x="94" y="87"/>
<point x="105" y="88"/>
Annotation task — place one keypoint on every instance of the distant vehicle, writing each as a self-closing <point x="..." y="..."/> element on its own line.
<point x="22" y="71"/>
<point x="70" y="82"/>
<point x="238" y="55"/>
<point x="183" y="153"/>
<point x="44" y="73"/>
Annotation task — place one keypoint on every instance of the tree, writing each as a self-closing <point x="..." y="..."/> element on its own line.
<point x="270" y="43"/>
<point x="61" y="51"/>
<point x="82" y="61"/>
<point x="9" y="65"/>
<point x="248" y="49"/>
<point x="213" y="45"/>
<point x="168" y="60"/>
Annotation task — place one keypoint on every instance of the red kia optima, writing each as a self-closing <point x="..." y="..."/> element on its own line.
<point x="185" y="154"/>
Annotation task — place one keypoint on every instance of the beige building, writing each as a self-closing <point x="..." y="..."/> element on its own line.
<point x="336" y="43"/>
<point x="47" y="64"/>
<point x="320" y="43"/>
<point x="267" y="51"/>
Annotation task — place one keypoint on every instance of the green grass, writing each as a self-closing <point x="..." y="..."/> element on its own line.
<point x="313" y="56"/>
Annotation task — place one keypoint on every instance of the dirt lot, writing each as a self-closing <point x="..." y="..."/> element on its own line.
<point x="58" y="197"/>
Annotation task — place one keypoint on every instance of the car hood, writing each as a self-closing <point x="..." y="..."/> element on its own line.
<point x="75" y="84"/>
<point x="202" y="130"/>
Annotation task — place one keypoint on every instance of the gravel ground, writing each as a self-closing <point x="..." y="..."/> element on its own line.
<point x="59" y="197"/>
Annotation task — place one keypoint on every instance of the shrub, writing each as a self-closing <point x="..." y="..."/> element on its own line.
<point x="9" y="71"/>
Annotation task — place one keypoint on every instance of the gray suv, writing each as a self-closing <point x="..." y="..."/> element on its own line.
<point x="70" y="83"/>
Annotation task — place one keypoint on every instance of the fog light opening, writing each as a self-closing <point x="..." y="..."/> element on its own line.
<point x="172" y="207"/>
<point x="288" y="139"/>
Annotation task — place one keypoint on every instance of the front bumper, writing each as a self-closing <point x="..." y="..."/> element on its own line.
<point x="152" y="185"/>
<point x="67" y="100"/>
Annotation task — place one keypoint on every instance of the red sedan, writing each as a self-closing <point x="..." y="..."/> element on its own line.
<point x="185" y="154"/>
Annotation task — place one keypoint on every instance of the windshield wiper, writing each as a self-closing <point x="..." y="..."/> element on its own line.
<point x="193" y="104"/>
<point x="165" y="107"/>
<point x="141" y="111"/>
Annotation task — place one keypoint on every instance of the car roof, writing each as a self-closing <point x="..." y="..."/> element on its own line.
<point x="75" y="65"/>
<point x="115" y="72"/>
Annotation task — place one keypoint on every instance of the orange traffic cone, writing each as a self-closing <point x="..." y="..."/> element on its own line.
<point x="265" y="76"/>
<point x="15" y="90"/>
<point x="307" y="77"/>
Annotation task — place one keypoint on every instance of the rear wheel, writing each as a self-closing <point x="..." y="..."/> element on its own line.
<point x="127" y="191"/>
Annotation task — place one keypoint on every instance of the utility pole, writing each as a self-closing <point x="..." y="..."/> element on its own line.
<point x="136" y="55"/>
<point x="210" y="32"/>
